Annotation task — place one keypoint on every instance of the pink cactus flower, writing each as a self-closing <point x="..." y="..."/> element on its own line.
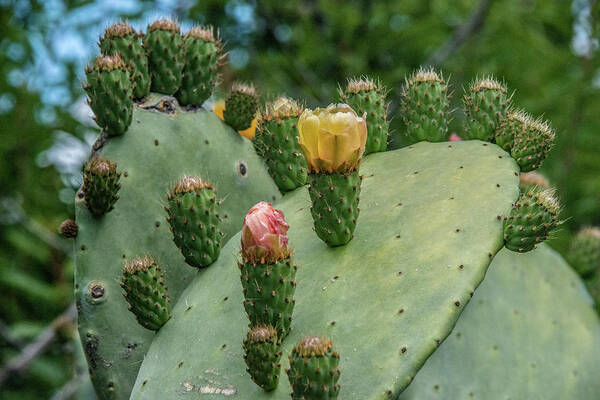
<point x="264" y="236"/>
<point x="454" y="138"/>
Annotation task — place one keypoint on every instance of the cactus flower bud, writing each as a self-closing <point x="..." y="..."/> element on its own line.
<point x="264" y="236"/>
<point x="332" y="139"/>
<point x="249" y="133"/>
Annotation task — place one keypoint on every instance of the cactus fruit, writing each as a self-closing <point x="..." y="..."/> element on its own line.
<point x="314" y="371"/>
<point x="219" y="108"/>
<point x="333" y="142"/>
<point x="122" y="40"/>
<point x="531" y="219"/>
<point x="100" y="185"/>
<point x="365" y="95"/>
<point x="109" y="94"/>
<point x="241" y="106"/>
<point x="68" y="229"/>
<point x="146" y="292"/>
<point x="422" y="244"/>
<point x="164" y="46"/>
<point x="528" y="333"/>
<point x="195" y="222"/>
<point x="277" y="143"/>
<point x="202" y="54"/>
<point x="262" y="354"/>
<point x="532" y="178"/>
<point x="584" y="253"/>
<point x="267" y="272"/>
<point x="485" y="105"/>
<point x="425" y="106"/>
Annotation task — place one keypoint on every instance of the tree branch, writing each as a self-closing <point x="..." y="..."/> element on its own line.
<point x="461" y="34"/>
<point x="22" y="361"/>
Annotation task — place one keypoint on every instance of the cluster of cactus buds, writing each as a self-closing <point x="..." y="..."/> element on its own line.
<point x="241" y="106"/>
<point x="485" y="104"/>
<point x="100" y="185"/>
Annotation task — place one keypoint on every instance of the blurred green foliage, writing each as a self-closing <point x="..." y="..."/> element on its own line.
<point x="547" y="51"/>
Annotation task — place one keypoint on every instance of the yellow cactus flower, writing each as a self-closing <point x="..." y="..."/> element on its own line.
<point x="332" y="139"/>
<point x="247" y="133"/>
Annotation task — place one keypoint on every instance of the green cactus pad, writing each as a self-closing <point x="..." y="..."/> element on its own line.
<point x="334" y="205"/>
<point x="277" y="143"/>
<point x="314" y="371"/>
<point x="531" y="220"/>
<point x="269" y="293"/>
<point x="200" y="73"/>
<point x="146" y="292"/>
<point x="428" y="230"/>
<point x="164" y="46"/>
<point x="533" y="139"/>
<point x="584" y="254"/>
<point x="163" y="143"/>
<point x="122" y="40"/>
<point x="100" y="185"/>
<point x="485" y="105"/>
<point x="425" y="107"/>
<point x="262" y="354"/>
<point x="367" y="96"/>
<point x="109" y="94"/>
<point x="195" y="221"/>
<point x="241" y="106"/>
<point x="528" y="333"/>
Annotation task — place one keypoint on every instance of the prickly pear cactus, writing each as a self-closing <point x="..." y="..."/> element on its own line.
<point x="528" y="333"/>
<point x="426" y="234"/>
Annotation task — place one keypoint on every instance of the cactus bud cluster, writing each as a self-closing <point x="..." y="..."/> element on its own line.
<point x="195" y="221"/>
<point x="485" y="104"/>
<point x="100" y="185"/>
<point x="262" y="353"/>
<point x="531" y="219"/>
<point x="164" y="46"/>
<point x="241" y="106"/>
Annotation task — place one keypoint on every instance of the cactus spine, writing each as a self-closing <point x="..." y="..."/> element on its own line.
<point x="368" y="97"/>
<point x="164" y="46"/>
<point x="202" y="53"/>
<point x="109" y="94"/>
<point x="241" y="106"/>
<point x="277" y="143"/>
<point x="485" y="105"/>
<point x="425" y="106"/>
<point x="145" y="290"/>
<point x="262" y="353"/>
<point x="100" y="185"/>
<point x="531" y="219"/>
<point x="195" y="222"/>
<point x="314" y="371"/>
<point x="122" y="40"/>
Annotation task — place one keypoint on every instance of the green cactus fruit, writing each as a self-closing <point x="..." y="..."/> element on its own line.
<point x="334" y="205"/>
<point x="109" y="94"/>
<point x="314" y="371"/>
<point x="146" y="292"/>
<point x="122" y="40"/>
<point x="531" y="219"/>
<point x="533" y="139"/>
<point x="485" y="105"/>
<point x="423" y="245"/>
<point x="164" y="142"/>
<point x="262" y="354"/>
<point x="507" y="127"/>
<point x="367" y="96"/>
<point x="528" y="333"/>
<point x="269" y="293"/>
<point x="425" y="106"/>
<point x="277" y="142"/>
<point x="100" y="185"/>
<point x="584" y="254"/>
<point x="529" y="179"/>
<point x="68" y="228"/>
<point x="164" y="46"/>
<point x="202" y="55"/>
<point x="195" y="221"/>
<point x="241" y="106"/>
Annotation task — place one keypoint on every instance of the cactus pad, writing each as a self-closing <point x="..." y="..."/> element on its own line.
<point x="163" y="143"/>
<point x="528" y="333"/>
<point x="164" y="46"/>
<point x="262" y="354"/>
<point x="428" y="230"/>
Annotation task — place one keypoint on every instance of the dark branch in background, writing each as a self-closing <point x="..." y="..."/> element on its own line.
<point x="21" y="362"/>
<point x="461" y="34"/>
